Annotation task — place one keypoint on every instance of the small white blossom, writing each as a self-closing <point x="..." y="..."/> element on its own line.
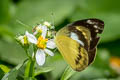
<point x="22" y="40"/>
<point x="47" y="23"/>
<point x="42" y="43"/>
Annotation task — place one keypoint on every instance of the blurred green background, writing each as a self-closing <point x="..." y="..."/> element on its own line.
<point x="16" y="16"/>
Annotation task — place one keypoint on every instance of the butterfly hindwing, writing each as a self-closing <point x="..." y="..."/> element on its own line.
<point x="73" y="53"/>
<point x="94" y="42"/>
<point x="91" y="55"/>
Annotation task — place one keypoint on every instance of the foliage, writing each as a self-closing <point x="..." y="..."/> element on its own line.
<point x="18" y="15"/>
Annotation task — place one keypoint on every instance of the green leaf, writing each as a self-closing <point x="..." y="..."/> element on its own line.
<point x="102" y="57"/>
<point x="1" y="73"/>
<point x="5" y="13"/>
<point x="33" y="15"/>
<point x="4" y="68"/>
<point x="58" y="63"/>
<point x="6" y="33"/>
<point x="13" y="73"/>
<point x="89" y="73"/>
<point x="43" y="70"/>
<point x="29" y="78"/>
<point x="67" y="73"/>
<point x="13" y="50"/>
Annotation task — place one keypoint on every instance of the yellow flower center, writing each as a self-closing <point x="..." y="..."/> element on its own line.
<point x="25" y="40"/>
<point x="41" y="43"/>
<point x="40" y="31"/>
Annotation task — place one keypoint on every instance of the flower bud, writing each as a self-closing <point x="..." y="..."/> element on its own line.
<point x="47" y="24"/>
<point x="23" y="41"/>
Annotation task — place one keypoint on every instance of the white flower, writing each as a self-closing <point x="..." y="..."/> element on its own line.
<point x="47" y="23"/>
<point x="42" y="43"/>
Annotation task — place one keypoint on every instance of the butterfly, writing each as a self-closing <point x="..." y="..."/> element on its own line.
<point x="77" y="42"/>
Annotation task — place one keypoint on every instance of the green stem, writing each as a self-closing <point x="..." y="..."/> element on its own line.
<point x="29" y="70"/>
<point x="27" y="53"/>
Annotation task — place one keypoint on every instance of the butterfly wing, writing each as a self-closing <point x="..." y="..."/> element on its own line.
<point x="72" y="51"/>
<point x="77" y="42"/>
<point x="95" y="27"/>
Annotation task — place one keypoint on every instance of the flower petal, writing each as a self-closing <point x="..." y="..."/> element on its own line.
<point x="51" y="44"/>
<point x="40" y="57"/>
<point x="49" y="52"/>
<point x="35" y="32"/>
<point x="31" y="37"/>
<point x="44" y="31"/>
<point x="39" y="27"/>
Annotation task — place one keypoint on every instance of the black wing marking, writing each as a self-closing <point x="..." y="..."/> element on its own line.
<point x="80" y="35"/>
<point x="91" y="24"/>
<point x="91" y="55"/>
<point x="94" y="42"/>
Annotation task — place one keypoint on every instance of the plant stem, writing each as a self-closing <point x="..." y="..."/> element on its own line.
<point x="29" y="70"/>
<point x="27" y="53"/>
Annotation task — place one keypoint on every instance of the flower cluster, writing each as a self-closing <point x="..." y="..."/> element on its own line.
<point x="42" y="38"/>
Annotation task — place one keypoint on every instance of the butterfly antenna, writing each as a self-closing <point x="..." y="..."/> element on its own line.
<point x="20" y="22"/>
<point x="52" y="15"/>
